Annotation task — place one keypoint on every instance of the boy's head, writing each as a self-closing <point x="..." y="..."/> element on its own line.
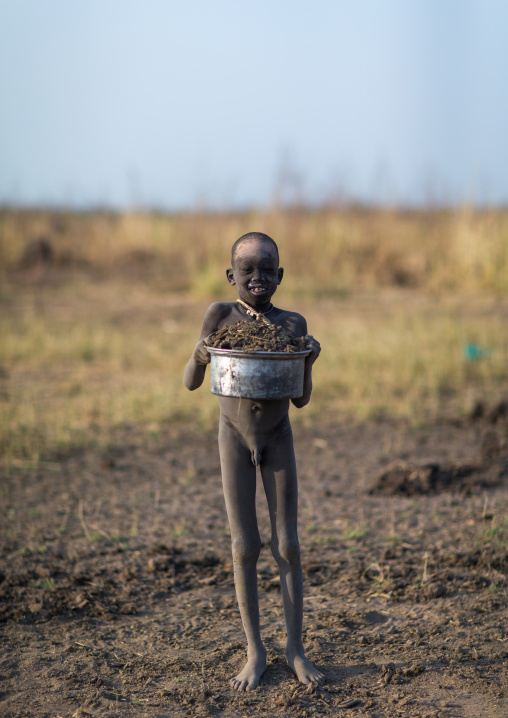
<point x="255" y="268"/>
<point x="249" y="236"/>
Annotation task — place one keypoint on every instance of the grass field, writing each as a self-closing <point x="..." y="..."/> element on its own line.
<point x="99" y="313"/>
<point x="116" y="589"/>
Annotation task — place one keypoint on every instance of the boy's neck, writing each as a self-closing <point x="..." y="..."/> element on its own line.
<point x="257" y="313"/>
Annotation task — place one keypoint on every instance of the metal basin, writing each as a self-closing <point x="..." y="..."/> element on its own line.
<point x="257" y="375"/>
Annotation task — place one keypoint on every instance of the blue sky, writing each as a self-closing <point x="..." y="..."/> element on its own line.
<point x="179" y="103"/>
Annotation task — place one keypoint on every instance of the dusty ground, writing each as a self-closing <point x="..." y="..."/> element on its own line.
<point x="117" y="596"/>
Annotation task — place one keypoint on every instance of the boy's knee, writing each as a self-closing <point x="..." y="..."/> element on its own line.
<point x="246" y="550"/>
<point x="286" y="550"/>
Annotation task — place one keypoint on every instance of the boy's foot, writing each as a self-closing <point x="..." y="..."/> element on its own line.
<point x="249" y="676"/>
<point x="305" y="671"/>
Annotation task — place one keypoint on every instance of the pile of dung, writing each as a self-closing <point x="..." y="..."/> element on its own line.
<point x="256" y="336"/>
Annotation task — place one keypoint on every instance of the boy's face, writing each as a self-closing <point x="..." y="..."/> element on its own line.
<point x="255" y="272"/>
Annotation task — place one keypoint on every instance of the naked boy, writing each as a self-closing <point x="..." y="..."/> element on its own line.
<point x="258" y="433"/>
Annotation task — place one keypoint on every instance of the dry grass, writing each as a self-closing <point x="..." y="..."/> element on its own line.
<point x="402" y="355"/>
<point x="80" y="361"/>
<point x="326" y="252"/>
<point x="97" y="334"/>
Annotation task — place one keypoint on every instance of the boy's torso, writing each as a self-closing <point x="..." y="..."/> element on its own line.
<point x="256" y="417"/>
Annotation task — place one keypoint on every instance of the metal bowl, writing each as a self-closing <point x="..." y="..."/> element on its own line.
<point x="257" y="375"/>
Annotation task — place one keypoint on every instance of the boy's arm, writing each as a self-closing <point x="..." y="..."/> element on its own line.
<point x="315" y="349"/>
<point x="194" y="372"/>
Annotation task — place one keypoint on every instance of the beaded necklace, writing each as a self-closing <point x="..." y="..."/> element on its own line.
<point x="252" y="312"/>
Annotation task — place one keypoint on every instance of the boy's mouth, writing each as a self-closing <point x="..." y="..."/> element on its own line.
<point x="257" y="288"/>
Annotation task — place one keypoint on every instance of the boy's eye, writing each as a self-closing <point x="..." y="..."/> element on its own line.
<point x="248" y="269"/>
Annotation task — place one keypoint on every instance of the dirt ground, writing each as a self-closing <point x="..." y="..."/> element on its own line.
<point x="117" y="599"/>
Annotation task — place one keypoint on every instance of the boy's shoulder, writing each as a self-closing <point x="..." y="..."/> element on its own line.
<point x="220" y="307"/>
<point x="218" y="314"/>
<point x="290" y="313"/>
<point x="291" y="320"/>
<point x="220" y="310"/>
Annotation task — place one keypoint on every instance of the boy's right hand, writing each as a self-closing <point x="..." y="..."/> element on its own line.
<point x="201" y="355"/>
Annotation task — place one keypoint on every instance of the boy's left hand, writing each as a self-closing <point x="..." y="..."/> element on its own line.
<point x="315" y="348"/>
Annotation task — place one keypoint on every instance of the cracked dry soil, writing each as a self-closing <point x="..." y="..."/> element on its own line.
<point x="116" y="588"/>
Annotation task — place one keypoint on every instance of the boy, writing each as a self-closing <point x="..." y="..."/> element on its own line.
<point x="258" y="433"/>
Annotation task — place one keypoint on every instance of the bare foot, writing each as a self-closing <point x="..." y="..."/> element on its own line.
<point x="249" y="676"/>
<point x="305" y="671"/>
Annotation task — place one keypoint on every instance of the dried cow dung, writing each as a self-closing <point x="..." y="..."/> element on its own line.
<point x="256" y="336"/>
<point x="403" y="478"/>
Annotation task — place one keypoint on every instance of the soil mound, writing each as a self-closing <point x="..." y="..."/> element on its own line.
<point x="256" y="336"/>
<point x="494" y="414"/>
<point x="410" y="480"/>
<point x="490" y="469"/>
<point x="402" y="478"/>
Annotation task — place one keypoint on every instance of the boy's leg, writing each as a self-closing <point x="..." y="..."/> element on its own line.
<point x="239" y="482"/>
<point x="278" y="471"/>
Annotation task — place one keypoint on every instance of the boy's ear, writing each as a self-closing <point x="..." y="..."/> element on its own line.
<point x="230" y="276"/>
<point x="280" y="273"/>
